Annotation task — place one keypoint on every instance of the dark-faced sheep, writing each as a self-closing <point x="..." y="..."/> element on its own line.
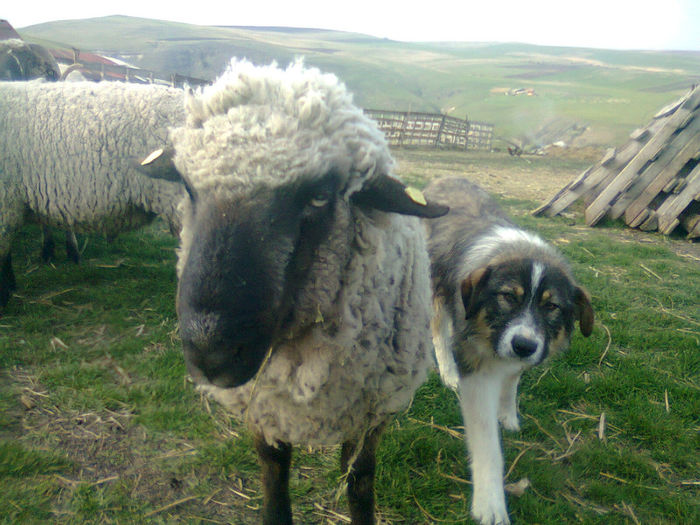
<point x="304" y="293"/>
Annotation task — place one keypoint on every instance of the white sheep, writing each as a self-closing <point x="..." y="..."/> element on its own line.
<point x="304" y="293"/>
<point x="20" y="60"/>
<point x="68" y="157"/>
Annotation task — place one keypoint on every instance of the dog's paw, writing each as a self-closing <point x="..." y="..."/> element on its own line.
<point x="510" y="421"/>
<point x="486" y="515"/>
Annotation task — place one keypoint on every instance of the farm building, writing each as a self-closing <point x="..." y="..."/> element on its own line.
<point x="652" y="182"/>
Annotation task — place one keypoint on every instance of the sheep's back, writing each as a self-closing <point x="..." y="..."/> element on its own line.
<point x="73" y="148"/>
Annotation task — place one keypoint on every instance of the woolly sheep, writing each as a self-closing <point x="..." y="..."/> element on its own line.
<point x="68" y="155"/>
<point x="20" y="60"/>
<point x="304" y="294"/>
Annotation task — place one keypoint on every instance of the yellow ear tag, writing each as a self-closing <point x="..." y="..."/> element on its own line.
<point x="153" y="156"/>
<point x="416" y="196"/>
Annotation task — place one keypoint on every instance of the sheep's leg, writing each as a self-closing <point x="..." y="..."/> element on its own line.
<point x="275" y="462"/>
<point x="11" y="219"/>
<point x="72" y="247"/>
<point x="7" y="280"/>
<point x="360" y="477"/>
<point x="47" y="244"/>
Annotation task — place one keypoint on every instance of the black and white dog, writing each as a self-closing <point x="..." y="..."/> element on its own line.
<point x="504" y="301"/>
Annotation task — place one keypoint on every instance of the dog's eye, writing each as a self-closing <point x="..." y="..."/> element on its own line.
<point x="507" y="299"/>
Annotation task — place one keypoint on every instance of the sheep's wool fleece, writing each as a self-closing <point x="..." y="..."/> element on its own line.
<point x="349" y="373"/>
<point x="69" y="151"/>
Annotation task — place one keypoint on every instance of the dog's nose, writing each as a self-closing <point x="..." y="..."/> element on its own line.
<point x="523" y="347"/>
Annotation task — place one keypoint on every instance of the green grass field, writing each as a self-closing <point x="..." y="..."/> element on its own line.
<point x="99" y="425"/>
<point x="610" y="92"/>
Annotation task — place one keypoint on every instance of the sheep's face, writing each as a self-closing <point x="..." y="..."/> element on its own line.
<point x="245" y="281"/>
<point x="267" y="264"/>
<point x="278" y="166"/>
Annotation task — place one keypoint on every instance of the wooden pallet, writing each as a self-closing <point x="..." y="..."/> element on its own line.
<point x="652" y="182"/>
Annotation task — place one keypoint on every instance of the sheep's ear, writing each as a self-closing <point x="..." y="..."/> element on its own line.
<point x="159" y="165"/>
<point x="388" y="194"/>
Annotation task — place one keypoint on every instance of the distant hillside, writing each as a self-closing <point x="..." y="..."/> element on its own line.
<point x="606" y="93"/>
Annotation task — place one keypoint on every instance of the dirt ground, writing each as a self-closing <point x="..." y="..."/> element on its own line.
<point x="530" y="178"/>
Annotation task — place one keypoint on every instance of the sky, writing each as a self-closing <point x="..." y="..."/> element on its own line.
<point x="613" y="24"/>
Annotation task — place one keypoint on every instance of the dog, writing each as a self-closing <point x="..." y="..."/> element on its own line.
<point x="504" y="300"/>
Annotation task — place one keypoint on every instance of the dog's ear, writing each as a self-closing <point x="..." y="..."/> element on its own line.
<point x="584" y="310"/>
<point x="472" y="287"/>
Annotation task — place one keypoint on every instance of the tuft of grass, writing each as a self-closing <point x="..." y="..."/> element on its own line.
<point x="99" y="425"/>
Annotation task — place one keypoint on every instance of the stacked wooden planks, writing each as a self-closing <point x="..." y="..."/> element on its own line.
<point x="652" y="182"/>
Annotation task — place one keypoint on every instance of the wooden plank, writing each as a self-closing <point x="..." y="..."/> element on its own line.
<point x="639" y="134"/>
<point x="586" y="183"/>
<point x="695" y="233"/>
<point x="651" y="223"/>
<point x="653" y="180"/>
<point x="569" y="194"/>
<point x="600" y="206"/>
<point x="609" y="157"/>
<point x="691" y="223"/>
<point x="551" y="208"/>
<point x="640" y="218"/>
<point x="597" y="176"/>
<point x="672" y="207"/>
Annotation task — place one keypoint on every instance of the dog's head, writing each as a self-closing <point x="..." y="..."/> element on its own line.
<point x="525" y="308"/>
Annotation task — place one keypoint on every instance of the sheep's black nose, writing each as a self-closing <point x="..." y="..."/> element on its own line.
<point x="523" y="347"/>
<point x="218" y="352"/>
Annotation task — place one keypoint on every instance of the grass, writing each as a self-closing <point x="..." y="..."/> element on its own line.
<point x="99" y="425"/>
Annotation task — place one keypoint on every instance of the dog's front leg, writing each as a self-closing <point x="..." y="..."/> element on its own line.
<point x="479" y="397"/>
<point x="508" y="403"/>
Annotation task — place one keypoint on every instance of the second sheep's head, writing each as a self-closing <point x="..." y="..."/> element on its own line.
<point x="279" y="166"/>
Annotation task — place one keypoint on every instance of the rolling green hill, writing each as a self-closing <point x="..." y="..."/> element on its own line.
<point x="610" y="93"/>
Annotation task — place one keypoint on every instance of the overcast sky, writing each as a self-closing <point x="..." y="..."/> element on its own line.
<point x="616" y="24"/>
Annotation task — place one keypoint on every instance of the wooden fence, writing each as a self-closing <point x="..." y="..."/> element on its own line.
<point x="407" y="128"/>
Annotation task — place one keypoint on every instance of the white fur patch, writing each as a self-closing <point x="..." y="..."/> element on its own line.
<point x="537" y="273"/>
<point x="488" y="244"/>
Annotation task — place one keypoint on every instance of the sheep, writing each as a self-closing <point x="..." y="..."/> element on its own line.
<point x="68" y="156"/>
<point x="304" y="295"/>
<point x="20" y="60"/>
